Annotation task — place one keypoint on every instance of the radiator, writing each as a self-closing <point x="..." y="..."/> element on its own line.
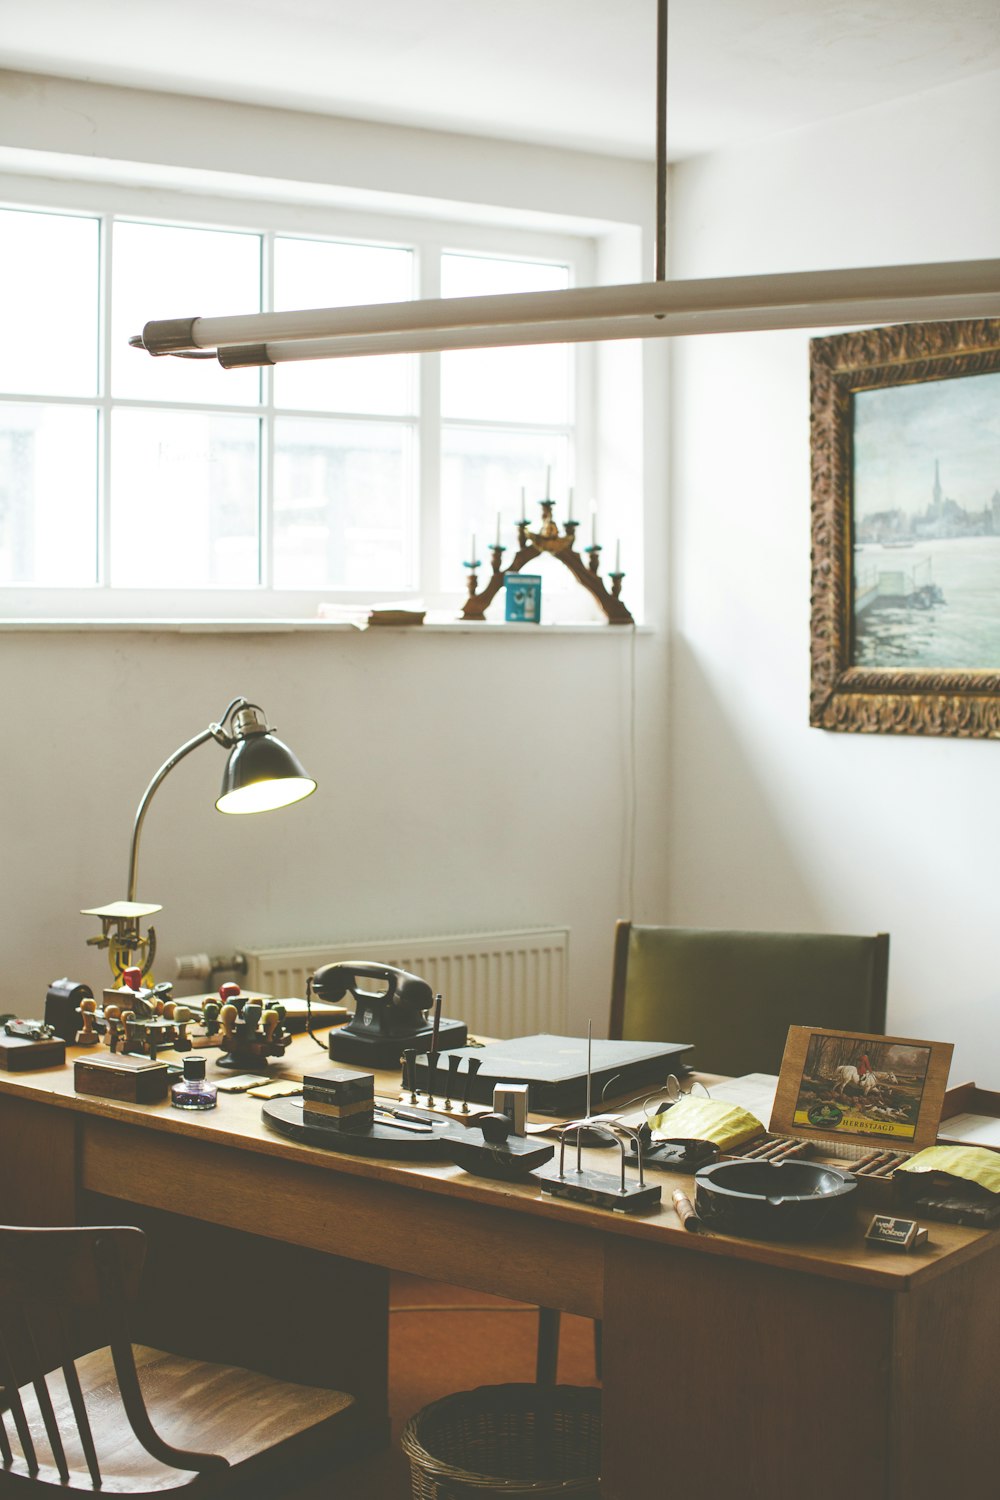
<point x="499" y="983"/>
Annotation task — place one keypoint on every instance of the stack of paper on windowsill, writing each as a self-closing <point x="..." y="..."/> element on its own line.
<point x="407" y="612"/>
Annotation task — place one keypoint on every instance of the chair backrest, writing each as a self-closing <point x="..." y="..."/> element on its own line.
<point x="64" y="1293"/>
<point x="733" y="995"/>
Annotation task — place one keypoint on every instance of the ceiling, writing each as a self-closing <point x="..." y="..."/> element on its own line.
<point x="576" y="73"/>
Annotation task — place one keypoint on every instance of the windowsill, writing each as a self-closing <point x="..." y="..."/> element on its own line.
<point x="445" y="626"/>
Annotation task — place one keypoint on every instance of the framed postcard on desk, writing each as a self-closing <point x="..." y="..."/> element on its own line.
<point x="843" y="1085"/>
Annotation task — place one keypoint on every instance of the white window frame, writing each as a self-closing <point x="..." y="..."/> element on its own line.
<point x="428" y="238"/>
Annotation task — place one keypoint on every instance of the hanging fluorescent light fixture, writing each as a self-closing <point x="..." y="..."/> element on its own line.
<point x="658" y="309"/>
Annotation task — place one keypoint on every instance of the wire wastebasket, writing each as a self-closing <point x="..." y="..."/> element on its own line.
<point x="507" y="1440"/>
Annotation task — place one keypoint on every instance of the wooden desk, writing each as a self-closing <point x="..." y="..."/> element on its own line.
<point x="737" y="1367"/>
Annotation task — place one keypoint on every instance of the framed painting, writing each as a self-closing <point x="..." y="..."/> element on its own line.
<point x="905" y="430"/>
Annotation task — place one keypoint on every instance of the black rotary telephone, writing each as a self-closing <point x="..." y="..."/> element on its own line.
<point x="386" y="1020"/>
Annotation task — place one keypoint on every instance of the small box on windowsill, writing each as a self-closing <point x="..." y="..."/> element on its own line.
<point x="125" y="1076"/>
<point x="523" y="598"/>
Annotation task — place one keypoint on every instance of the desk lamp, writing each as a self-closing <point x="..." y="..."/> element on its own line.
<point x="261" y="773"/>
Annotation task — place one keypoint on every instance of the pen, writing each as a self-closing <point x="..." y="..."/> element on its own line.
<point x="403" y="1114"/>
<point x="424" y="1128"/>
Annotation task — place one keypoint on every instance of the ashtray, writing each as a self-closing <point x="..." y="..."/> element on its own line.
<point x="774" y="1200"/>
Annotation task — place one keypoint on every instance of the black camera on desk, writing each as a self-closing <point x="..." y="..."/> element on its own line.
<point x="385" y="1020"/>
<point x="62" y="1006"/>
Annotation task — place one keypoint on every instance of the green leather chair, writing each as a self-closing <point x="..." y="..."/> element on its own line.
<point x="733" y="995"/>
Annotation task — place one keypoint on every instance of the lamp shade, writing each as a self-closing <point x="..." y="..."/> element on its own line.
<point x="262" y="773"/>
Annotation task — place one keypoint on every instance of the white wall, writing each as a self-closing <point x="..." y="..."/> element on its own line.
<point x="466" y="783"/>
<point x="772" y="823"/>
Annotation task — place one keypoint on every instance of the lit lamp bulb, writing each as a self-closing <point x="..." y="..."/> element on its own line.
<point x="261" y="772"/>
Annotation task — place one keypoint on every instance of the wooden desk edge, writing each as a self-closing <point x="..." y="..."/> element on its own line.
<point x="880" y="1269"/>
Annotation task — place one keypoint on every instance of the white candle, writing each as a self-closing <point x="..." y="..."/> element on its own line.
<point x="548" y="479"/>
<point x="569" y="504"/>
<point x="523" y="503"/>
<point x="618" y="556"/>
<point x="593" y="523"/>
<point x="472" y="554"/>
<point x="498" y="528"/>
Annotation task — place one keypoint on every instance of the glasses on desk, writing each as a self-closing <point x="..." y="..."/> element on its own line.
<point x="656" y="1105"/>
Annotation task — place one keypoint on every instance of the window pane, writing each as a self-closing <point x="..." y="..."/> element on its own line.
<point x="343" y="505"/>
<point x="184" y="500"/>
<point x="482" y="475"/>
<point x="49" y="295"/>
<point x="506" y="385"/>
<point x="48" y="495"/>
<point x="321" y="273"/>
<point x="158" y="271"/>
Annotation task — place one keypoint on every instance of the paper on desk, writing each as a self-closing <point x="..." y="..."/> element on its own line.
<point x="971" y="1130"/>
<point x="753" y="1092"/>
<point x="972" y="1163"/>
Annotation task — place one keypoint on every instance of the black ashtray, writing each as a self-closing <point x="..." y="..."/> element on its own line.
<point x="774" y="1200"/>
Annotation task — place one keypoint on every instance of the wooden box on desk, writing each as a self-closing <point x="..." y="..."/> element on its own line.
<point x="834" y="1133"/>
<point x="113" y="1075"/>
<point x="20" y="1054"/>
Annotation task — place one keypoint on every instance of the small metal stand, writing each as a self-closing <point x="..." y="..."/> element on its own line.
<point x="601" y="1189"/>
<point x="532" y="544"/>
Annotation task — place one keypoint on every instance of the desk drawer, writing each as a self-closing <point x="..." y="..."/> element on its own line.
<point x="473" y="1244"/>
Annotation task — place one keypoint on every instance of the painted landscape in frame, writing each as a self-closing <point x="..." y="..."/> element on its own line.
<point x="906" y="529"/>
<point x="926" y="524"/>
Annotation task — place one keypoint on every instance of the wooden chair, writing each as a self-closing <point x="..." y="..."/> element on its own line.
<point x="733" y="995"/>
<point x="84" y="1409"/>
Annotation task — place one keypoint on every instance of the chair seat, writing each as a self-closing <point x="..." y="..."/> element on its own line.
<point x="192" y="1404"/>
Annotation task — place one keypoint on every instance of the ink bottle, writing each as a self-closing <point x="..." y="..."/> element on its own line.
<point x="192" y="1092"/>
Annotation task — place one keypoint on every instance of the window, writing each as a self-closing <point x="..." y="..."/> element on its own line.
<point x="131" y="485"/>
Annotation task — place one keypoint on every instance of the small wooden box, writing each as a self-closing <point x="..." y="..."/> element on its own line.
<point x="339" y="1099"/>
<point x="19" y="1054"/>
<point x="133" y="1079"/>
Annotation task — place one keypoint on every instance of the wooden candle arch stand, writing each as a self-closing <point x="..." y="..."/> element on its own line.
<point x="558" y="544"/>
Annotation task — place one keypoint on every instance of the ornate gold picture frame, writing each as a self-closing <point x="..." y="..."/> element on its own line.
<point x="905" y="429"/>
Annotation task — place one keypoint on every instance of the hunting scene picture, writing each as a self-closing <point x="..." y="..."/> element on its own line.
<point x="861" y="1086"/>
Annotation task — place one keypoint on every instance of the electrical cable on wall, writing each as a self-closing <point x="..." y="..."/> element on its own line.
<point x="631" y="785"/>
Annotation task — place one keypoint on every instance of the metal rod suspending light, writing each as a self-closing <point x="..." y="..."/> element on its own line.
<point x="658" y="309"/>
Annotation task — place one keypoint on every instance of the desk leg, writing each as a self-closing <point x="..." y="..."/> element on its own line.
<point x="726" y="1377"/>
<point x="237" y="1298"/>
<point x="946" y="1428"/>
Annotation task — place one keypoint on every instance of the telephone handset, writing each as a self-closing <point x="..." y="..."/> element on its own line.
<point x="385" y="1021"/>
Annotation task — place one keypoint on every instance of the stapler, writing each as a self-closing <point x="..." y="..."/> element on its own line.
<point x="385" y="1021"/>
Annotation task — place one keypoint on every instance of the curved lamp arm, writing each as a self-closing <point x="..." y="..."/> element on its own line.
<point x="147" y="797"/>
<point x="213" y="732"/>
